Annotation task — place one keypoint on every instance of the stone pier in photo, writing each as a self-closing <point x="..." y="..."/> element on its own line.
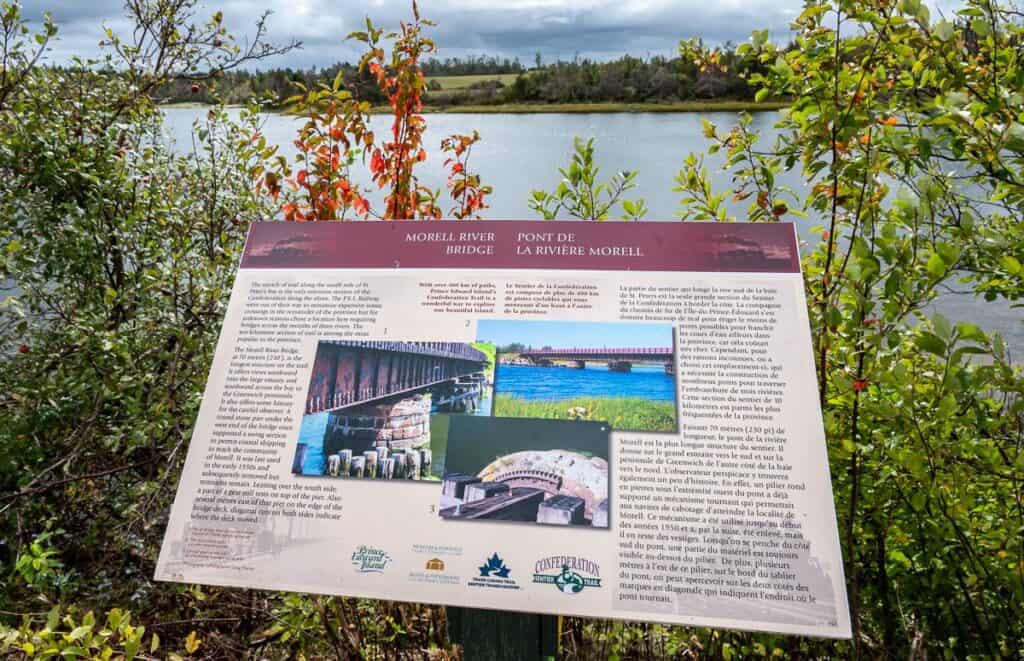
<point x="483" y="490"/>
<point x="562" y="510"/>
<point x="455" y="484"/>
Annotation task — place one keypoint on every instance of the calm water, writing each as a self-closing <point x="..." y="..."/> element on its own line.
<point x="559" y="383"/>
<point x="312" y="434"/>
<point x="520" y="153"/>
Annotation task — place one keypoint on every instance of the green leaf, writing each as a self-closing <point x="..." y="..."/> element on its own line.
<point x="900" y="558"/>
<point x="931" y="343"/>
<point x="969" y="331"/>
<point x="981" y="26"/>
<point x="909" y="7"/>
<point x="942" y="326"/>
<point x="79" y="632"/>
<point x="936" y="266"/>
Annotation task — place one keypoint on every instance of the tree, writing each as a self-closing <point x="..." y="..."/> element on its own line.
<point x="117" y="257"/>
<point x="925" y="438"/>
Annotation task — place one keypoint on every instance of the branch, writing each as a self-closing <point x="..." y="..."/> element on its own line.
<point x="11" y="498"/>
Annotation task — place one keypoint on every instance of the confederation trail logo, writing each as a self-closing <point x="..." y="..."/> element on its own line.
<point x="369" y="560"/>
<point x="494" y="573"/>
<point x="569" y="574"/>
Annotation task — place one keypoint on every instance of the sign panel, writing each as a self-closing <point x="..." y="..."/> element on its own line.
<point x="614" y="420"/>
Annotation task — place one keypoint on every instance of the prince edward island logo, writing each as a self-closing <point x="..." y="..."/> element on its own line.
<point x="570" y="574"/>
<point x="368" y="560"/>
<point x="494" y="573"/>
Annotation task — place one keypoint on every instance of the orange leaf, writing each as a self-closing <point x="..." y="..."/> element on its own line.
<point x="361" y="206"/>
<point x="376" y="163"/>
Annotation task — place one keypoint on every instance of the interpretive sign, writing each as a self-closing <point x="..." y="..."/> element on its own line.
<point x="600" y="419"/>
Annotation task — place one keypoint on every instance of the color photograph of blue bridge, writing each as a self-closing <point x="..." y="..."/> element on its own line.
<point x="620" y="373"/>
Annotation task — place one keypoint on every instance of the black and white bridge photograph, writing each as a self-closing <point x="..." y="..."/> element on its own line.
<point x="373" y="409"/>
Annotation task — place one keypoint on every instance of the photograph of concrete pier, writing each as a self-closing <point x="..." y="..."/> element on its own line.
<point x="549" y="472"/>
<point x="372" y="408"/>
<point x="622" y="373"/>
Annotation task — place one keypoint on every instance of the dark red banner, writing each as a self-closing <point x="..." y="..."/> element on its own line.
<point x="513" y="244"/>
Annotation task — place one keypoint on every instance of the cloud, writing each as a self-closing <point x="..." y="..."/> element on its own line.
<point x="600" y="29"/>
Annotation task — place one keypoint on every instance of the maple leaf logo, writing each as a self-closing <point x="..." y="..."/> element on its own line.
<point x="495" y="566"/>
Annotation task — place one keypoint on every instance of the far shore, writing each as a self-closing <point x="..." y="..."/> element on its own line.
<point x="574" y="108"/>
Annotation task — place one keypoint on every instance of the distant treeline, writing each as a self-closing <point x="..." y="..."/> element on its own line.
<point x="471" y="66"/>
<point x="632" y="79"/>
<point x="627" y="79"/>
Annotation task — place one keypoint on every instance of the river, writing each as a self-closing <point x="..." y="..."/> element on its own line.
<point x="520" y="153"/>
<point x="551" y="384"/>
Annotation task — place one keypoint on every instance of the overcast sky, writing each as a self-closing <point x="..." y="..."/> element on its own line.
<point x="600" y="29"/>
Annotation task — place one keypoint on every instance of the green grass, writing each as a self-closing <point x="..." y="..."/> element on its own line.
<point x="623" y="413"/>
<point x="449" y="83"/>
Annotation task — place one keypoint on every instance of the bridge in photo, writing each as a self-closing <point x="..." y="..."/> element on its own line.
<point x="619" y="359"/>
<point x="348" y="373"/>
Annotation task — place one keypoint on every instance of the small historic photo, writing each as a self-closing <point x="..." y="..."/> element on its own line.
<point x="380" y="410"/>
<point x="531" y="471"/>
<point x="620" y="373"/>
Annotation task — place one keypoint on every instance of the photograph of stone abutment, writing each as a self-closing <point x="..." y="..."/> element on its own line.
<point x="552" y="472"/>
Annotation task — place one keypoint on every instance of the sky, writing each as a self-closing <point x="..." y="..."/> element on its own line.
<point x="557" y="29"/>
<point x="565" y="334"/>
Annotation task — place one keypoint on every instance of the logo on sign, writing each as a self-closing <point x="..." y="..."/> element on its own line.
<point x="569" y="574"/>
<point x="494" y="573"/>
<point x="369" y="560"/>
<point x="434" y="571"/>
<point x="494" y="566"/>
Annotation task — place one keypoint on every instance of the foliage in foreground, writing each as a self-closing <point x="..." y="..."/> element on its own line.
<point x="120" y="253"/>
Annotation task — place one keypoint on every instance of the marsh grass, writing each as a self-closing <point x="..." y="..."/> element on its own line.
<point x="622" y="413"/>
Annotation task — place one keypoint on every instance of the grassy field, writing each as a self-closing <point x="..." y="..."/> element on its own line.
<point x="623" y="413"/>
<point x="449" y="83"/>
